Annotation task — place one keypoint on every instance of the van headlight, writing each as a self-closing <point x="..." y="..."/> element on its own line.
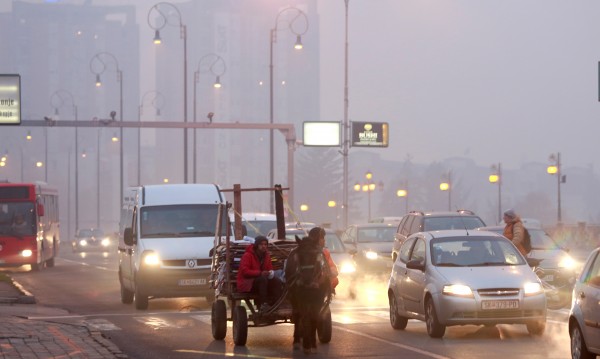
<point x="105" y="242"/>
<point x="83" y="243"/>
<point x="532" y="288"/>
<point x="459" y="290"/>
<point x="371" y="255"/>
<point x="151" y="259"/>
<point x="347" y="267"/>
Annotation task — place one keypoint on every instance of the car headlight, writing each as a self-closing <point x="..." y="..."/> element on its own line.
<point x="26" y="253"/>
<point x="459" y="290"/>
<point x="83" y="243"/>
<point x="347" y="267"/>
<point x="151" y="259"/>
<point x="567" y="262"/>
<point x="371" y="255"/>
<point x="105" y="242"/>
<point x="532" y="288"/>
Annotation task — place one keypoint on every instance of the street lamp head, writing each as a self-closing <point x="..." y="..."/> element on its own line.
<point x="217" y="83"/>
<point x="368" y="175"/>
<point x="298" y="44"/>
<point x="98" y="82"/>
<point x="113" y="115"/>
<point x="402" y="193"/>
<point x="494" y="178"/>
<point x="157" y="40"/>
<point x="331" y="204"/>
<point x="444" y="186"/>
<point x="357" y="186"/>
<point x="552" y="169"/>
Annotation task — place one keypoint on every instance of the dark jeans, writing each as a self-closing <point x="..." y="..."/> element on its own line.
<point x="268" y="290"/>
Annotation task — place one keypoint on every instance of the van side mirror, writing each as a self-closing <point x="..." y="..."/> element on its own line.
<point x="128" y="236"/>
<point x="40" y="209"/>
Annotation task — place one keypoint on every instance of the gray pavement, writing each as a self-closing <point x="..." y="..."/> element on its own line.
<point x="23" y="337"/>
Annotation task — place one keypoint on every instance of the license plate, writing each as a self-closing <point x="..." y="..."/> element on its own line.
<point x="194" y="281"/>
<point x="500" y="304"/>
<point x="548" y="278"/>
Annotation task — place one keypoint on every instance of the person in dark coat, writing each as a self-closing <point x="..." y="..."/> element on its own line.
<point x="256" y="274"/>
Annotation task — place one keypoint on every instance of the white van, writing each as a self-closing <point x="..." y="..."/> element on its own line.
<point x="166" y="234"/>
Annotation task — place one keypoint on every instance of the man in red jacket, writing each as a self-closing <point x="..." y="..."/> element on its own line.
<point x="256" y="274"/>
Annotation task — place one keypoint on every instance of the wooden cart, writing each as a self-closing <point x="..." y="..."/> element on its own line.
<point x="226" y="258"/>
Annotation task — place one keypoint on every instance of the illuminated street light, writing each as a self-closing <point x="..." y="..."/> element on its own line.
<point x="555" y="168"/>
<point x="214" y="64"/>
<point x="447" y="186"/>
<point x="403" y="193"/>
<point x="97" y="62"/>
<point x="298" y="14"/>
<point x="160" y="9"/>
<point x="368" y="187"/>
<point x="303" y="207"/>
<point x="496" y="177"/>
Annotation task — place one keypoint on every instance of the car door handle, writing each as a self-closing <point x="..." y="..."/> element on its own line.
<point x="582" y="295"/>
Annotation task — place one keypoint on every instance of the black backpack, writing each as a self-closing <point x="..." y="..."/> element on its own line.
<point x="526" y="240"/>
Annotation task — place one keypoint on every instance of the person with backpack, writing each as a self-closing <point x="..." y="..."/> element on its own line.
<point x="515" y="231"/>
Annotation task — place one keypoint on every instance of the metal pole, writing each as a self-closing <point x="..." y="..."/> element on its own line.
<point x="559" y="173"/>
<point x="46" y="156"/>
<point x="76" y="176"/>
<point x="271" y="147"/>
<point x="449" y="190"/>
<point x="499" y="192"/>
<point x="369" y="195"/>
<point x="139" y="145"/>
<point x="69" y="194"/>
<point x="185" y="132"/>
<point x="121" y="137"/>
<point x="346" y="126"/>
<point x="194" y="153"/>
<point x="98" y="181"/>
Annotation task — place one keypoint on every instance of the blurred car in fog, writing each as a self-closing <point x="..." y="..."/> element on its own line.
<point x="257" y="223"/>
<point x="339" y="253"/>
<point x="92" y="239"/>
<point x="373" y="245"/>
<point x="459" y="277"/>
<point x="584" y="317"/>
<point x="557" y="267"/>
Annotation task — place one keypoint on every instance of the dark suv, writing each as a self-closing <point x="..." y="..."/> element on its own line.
<point x="417" y="221"/>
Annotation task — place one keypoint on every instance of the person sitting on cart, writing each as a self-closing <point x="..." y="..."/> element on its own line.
<point x="256" y="274"/>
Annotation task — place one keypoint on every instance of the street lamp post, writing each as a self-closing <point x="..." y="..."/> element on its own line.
<point x="346" y="124"/>
<point x="159" y="8"/>
<point x="298" y="46"/>
<point x="496" y="177"/>
<point x="156" y="100"/>
<point x="404" y="193"/>
<point x="97" y="59"/>
<point x="555" y="168"/>
<point x="447" y="186"/>
<point x="368" y="187"/>
<point x="57" y="100"/>
<point x="215" y="65"/>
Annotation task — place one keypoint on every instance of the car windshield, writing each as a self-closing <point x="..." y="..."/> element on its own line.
<point x="256" y="228"/>
<point x="334" y="243"/>
<point x="473" y="252"/>
<point x="179" y="221"/>
<point x="90" y="233"/>
<point x="376" y="234"/>
<point x="451" y="222"/>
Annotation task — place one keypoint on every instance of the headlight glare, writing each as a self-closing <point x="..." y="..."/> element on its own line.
<point x="151" y="259"/>
<point x="567" y="262"/>
<point x="27" y="253"/>
<point x="458" y="290"/>
<point x="532" y="288"/>
<point x="347" y="267"/>
<point x="105" y="242"/>
<point x="371" y="255"/>
<point x="83" y="243"/>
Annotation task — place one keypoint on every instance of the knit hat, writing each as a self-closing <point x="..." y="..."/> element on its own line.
<point x="260" y="239"/>
<point x="510" y="213"/>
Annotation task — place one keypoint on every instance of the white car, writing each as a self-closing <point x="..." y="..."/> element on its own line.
<point x="458" y="277"/>
<point x="584" y="319"/>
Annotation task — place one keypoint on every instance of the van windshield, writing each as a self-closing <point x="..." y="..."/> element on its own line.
<point x="196" y="220"/>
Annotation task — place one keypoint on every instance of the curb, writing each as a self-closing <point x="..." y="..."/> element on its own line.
<point x="26" y="297"/>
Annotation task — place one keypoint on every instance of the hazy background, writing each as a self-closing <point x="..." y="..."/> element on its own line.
<point x="463" y="84"/>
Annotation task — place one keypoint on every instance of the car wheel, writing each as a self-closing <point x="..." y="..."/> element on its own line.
<point x="218" y="320"/>
<point x="141" y="299"/>
<point x="578" y="347"/>
<point x="536" y="328"/>
<point x="434" y="328"/>
<point x="240" y="325"/>
<point x="126" y="295"/>
<point x="396" y="321"/>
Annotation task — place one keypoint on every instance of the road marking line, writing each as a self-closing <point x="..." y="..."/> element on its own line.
<point x="89" y="265"/>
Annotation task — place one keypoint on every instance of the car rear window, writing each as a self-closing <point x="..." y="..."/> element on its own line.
<point x="454" y="222"/>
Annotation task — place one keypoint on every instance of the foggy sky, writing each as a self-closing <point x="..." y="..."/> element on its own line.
<point x="496" y="81"/>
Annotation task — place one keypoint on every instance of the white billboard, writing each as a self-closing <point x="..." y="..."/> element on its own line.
<point x="10" y="99"/>
<point x="327" y="134"/>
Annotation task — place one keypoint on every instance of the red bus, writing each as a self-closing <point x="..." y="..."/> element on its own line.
<point x="29" y="225"/>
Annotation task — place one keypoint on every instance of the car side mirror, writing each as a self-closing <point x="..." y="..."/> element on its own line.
<point x="40" y="209"/>
<point x="128" y="236"/>
<point x="416" y="264"/>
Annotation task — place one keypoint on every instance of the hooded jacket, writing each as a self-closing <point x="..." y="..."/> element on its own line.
<point x="251" y="268"/>
<point x="515" y="231"/>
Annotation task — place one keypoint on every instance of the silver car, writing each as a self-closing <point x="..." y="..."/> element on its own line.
<point x="584" y="319"/>
<point x="458" y="277"/>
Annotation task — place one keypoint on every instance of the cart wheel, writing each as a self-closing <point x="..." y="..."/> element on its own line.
<point x="218" y="320"/>
<point x="324" y="326"/>
<point x="240" y="325"/>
